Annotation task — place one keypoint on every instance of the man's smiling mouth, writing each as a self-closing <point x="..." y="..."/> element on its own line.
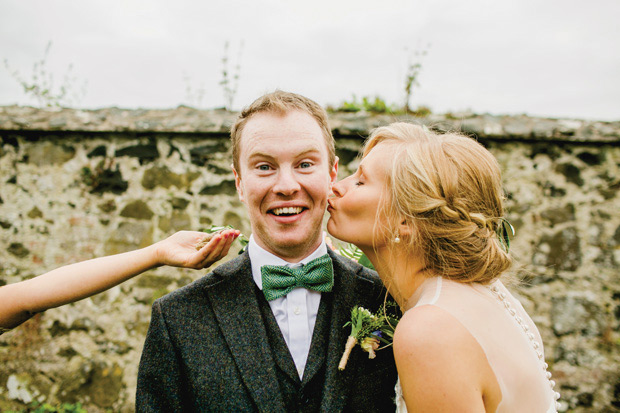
<point x="287" y="211"/>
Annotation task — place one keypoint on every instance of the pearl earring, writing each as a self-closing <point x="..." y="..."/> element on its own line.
<point x="396" y="240"/>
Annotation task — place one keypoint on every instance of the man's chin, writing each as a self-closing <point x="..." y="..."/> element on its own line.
<point x="287" y="246"/>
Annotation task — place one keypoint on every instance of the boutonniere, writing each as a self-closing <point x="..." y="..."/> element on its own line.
<point x="370" y="330"/>
<point x="367" y="329"/>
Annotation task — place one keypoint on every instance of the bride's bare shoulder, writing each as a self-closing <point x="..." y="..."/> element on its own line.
<point x="429" y="331"/>
<point x="438" y="361"/>
<point x="425" y="324"/>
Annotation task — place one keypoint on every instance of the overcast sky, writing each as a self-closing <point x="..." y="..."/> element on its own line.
<point x="557" y="58"/>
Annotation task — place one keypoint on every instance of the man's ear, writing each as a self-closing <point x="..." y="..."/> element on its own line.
<point x="333" y="174"/>
<point x="238" y="184"/>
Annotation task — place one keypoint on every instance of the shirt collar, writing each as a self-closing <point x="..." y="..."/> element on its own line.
<point x="259" y="257"/>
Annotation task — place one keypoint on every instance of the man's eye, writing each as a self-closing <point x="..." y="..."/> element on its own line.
<point x="263" y="167"/>
<point x="305" y="165"/>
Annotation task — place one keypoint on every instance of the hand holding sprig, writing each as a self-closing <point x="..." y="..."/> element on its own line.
<point x="21" y="300"/>
<point x="192" y="249"/>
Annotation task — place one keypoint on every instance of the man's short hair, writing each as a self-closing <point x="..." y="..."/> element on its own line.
<point x="281" y="103"/>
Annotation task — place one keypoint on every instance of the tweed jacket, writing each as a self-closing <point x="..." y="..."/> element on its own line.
<point x="207" y="349"/>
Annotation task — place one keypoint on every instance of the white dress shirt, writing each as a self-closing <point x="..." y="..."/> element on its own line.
<point x="295" y="312"/>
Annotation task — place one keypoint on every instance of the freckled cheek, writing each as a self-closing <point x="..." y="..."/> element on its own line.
<point x="255" y="193"/>
<point x="319" y="193"/>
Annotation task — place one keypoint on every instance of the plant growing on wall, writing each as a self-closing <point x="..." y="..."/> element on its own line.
<point x="193" y="96"/>
<point x="41" y="85"/>
<point x="377" y="105"/>
<point x="230" y="77"/>
<point x="374" y="104"/>
<point x="414" y="66"/>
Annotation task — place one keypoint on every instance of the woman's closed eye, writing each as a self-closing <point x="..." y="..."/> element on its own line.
<point x="359" y="179"/>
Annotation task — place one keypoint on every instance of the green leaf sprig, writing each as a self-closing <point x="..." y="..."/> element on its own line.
<point x="241" y="238"/>
<point x="503" y="229"/>
<point x="354" y="253"/>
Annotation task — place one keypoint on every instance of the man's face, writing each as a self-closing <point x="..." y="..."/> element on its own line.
<point x="285" y="179"/>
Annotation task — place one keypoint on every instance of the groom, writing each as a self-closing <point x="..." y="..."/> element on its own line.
<point x="246" y="337"/>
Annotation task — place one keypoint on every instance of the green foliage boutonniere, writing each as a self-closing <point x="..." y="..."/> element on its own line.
<point x="369" y="330"/>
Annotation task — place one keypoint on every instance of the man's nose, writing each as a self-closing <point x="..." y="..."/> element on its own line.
<point x="286" y="183"/>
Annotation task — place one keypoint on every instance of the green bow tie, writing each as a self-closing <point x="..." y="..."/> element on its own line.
<point x="279" y="280"/>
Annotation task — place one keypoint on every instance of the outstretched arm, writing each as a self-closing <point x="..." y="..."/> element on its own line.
<point x="20" y="301"/>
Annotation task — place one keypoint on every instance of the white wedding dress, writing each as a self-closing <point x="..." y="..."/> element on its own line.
<point x="506" y="334"/>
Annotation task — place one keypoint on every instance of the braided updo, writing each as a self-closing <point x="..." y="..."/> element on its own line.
<point x="447" y="189"/>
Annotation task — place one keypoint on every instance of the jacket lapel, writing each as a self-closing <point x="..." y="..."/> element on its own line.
<point x="320" y="335"/>
<point x="349" y="289"/>
<point x="234" y="303"/>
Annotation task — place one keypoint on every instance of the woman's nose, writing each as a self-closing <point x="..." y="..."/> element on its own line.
<point x="338" y="189"/>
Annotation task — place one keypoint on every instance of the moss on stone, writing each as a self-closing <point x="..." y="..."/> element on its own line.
<point x="35" y="213"/>
<point x="129" y="236"/>
<point x="226" y="187"/>
<point x="17" y="249"/>
<point x="137" y="209"/>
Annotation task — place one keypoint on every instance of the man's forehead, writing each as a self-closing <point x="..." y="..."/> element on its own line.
<point x="263" y="120"/>
<point x="294" y="132"/>
<point x="268" y="131"/>
<point x="275" y="147"/>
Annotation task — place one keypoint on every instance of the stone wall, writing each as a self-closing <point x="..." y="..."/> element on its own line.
<point x="81" y="184"/>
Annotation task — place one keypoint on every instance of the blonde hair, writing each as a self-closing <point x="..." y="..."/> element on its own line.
<point x="281" y="102"/>
<point x="447" y="189"/>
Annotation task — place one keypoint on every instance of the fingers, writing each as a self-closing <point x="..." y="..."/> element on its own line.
<point x="217" y="248"/>
<point x="227" y="243"/>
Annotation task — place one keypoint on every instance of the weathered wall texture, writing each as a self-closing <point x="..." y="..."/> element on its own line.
<point x="81" y="184"/>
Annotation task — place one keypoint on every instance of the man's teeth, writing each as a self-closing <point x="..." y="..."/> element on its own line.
<point x="287" y="211"/>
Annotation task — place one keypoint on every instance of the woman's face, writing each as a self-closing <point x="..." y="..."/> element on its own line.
<point x="357" y="198"/>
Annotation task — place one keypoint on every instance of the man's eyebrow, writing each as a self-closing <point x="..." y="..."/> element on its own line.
<point x="308" y="151"/>
<point x="260" y="155"/>
<point x="269" y="156"/>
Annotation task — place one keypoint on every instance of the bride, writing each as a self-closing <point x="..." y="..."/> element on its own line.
<point x="426" y="209"/>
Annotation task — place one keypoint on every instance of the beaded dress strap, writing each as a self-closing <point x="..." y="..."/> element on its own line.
<point x="501" y="296"/>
